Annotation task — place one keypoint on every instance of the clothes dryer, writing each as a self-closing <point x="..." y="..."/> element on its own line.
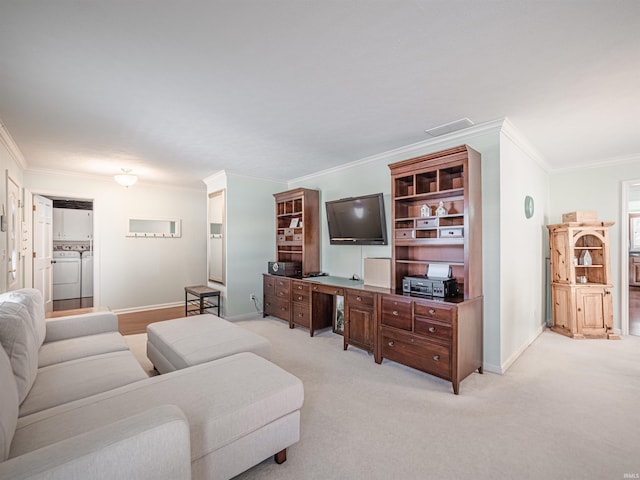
<point x="66" y="274"/>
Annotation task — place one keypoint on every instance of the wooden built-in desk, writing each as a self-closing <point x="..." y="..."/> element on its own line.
<point x="442" y="337"/>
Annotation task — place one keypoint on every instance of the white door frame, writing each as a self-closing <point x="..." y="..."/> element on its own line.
<point x="624" y="254"/>
<point x="95" y="240"/>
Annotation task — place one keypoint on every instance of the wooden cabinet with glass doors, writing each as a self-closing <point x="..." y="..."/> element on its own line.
<point x="581" y="287"/>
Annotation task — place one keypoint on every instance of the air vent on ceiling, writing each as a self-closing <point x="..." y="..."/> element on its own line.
<point x="450" y="127"/>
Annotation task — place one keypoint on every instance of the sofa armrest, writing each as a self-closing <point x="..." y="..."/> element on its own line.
<point x="82" y="325"/>
<point x="150" y="445"/>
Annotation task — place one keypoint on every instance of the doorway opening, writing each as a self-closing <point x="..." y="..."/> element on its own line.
<point x="72" y="253"/>
<point x="630" y="256"/>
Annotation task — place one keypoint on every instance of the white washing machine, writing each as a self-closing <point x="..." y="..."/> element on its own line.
<point x="86" y="283"/>
<point x="66" y="275"/>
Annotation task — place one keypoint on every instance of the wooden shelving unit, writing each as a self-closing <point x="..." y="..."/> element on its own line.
<point x="581" y="294"/>
<point x="297" y="228"/>
<point x="440" y="336"/>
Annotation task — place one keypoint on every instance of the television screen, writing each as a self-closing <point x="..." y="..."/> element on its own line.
<point x="357" y="221"/>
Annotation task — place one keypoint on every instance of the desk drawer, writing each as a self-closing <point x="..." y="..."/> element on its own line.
<point x="328" y="289"/>
<point x="455" y="232"/>
<point x="301" y="315"/>
<point x="357" y="298"/>
<point x="282" y="288"/>
<point x="269" y="286"/>
<point x="277" y="308"/>
<point x="433" y="329"/>
<point x="300" y="292"/>
<point x="417" y="353"/>
<point x="437" y="312"/>
<point x="396" y="312"/>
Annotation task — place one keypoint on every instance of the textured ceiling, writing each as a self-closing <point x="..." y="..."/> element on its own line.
<point x="177" y="90"/>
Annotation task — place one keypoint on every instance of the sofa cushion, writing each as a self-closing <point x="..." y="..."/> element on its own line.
<point x="19" y="342"/>
<point x="223" y="400"/>
<point x="64" y="382"/>
<point x="32" y="300"/>
<point x="8" y="405"/>
<point x="71" y="326"/>
<point x="74" y="348"/>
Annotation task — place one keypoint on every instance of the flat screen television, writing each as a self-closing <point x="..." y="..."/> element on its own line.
<point x="357" y="220"/>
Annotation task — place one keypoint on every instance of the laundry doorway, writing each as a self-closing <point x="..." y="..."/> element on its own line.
<point x="72" y="253"/>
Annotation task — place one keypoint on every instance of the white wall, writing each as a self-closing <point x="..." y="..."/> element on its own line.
<point x="596" y="189"/>
<point x="137" y="273"/>
<point x="250" y="238"/>
<point x="523" y="247"/>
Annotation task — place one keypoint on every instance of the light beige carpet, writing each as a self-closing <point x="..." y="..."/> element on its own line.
<point x="566" y="409"/>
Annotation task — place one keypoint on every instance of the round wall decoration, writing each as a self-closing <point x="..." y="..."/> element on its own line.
<point x="528" y="206"/>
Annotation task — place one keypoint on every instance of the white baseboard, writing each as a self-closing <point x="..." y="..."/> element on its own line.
<point x="520" y="351"/>
<point x="148" y="307"/>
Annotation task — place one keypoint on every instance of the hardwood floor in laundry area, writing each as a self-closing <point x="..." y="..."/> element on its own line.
<point x="634" y="310"/>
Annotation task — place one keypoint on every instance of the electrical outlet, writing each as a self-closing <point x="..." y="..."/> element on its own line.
<point x="252" y="296"/>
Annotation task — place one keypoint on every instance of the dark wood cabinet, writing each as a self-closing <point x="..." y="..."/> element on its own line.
<point x="439" y="338"/>
<point x="436" y="219"/>
<point x="359" y="319"/>
<point x="297" y="242"/>
<point x="277" y="296"/>
<point x="308" y="310"/>
<point x="298" y="228"/>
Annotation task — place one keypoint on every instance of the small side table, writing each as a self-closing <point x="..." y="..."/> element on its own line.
<point x="202" y="302"/>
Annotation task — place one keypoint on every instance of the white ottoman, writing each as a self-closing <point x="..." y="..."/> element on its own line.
<point x="188" y="341"/>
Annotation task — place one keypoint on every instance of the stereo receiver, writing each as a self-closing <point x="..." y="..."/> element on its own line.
<point x="430" y="287"/>
<point x="286" y="269"/>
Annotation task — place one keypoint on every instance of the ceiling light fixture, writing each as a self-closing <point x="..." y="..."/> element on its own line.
<point x="126" y="178"/>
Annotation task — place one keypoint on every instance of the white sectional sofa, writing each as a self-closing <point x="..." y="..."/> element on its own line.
<point x="75" y="403"/>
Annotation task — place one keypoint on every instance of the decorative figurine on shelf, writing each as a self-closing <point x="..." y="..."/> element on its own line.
<point x="425" y="211"/>
<point x="440" y="211"/>
<point x="585" y="258"/>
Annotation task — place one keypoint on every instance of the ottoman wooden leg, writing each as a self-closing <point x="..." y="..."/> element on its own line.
<point x="281" y="456"/>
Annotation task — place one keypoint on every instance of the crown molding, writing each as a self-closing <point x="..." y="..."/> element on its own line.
<point x="7" y="141"/>
<point x="610" y="162"/>
<point x="413" y="149"/>
<point x="513" y="134"/>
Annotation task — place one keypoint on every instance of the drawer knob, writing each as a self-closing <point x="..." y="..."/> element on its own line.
<point x="391" y="343"/>
<point x="432" y="311"/>
<point x="432" y="329"/>
<point x="436" y="357"/>
<point x="336" y="291"/>
<point x="359" y="299"/>
<point x="395" y="313"/>
<point x="300" y="298"/>
<point x="300" y="315"/>
<point x="299" y="287"/>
